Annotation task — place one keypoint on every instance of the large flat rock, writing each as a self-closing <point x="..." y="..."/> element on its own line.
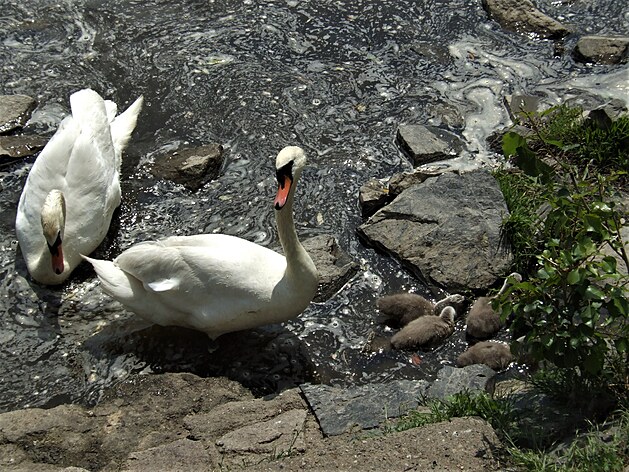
<point x="446" y="230"/>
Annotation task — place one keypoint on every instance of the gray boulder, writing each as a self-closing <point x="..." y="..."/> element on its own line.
<point x="523" y="16"/>
<point x="602" y="49"/>
<point x="372" y="196"/>
<point x="15" y="110"/>
<point x="342" y="409"/>
<point x="446" y="230"/>
<point x="452" y="380"/>
<point x="425" y="144"/>
<point x="334" y="265"/>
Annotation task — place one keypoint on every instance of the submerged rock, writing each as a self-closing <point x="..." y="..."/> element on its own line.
<point x="523" y="16"/>
<point x="15" y="111"/>
<point x="446" y="230"/>
<point x="602" y="49"/>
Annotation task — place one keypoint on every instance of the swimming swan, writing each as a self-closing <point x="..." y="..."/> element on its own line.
<point x="217" y="283"/>
<point x="73" y="187"/>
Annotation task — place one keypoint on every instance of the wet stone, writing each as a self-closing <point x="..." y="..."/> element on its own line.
<point x="372" y="196"/>
<point x="14" y="147"/>
<point x="191" y="167"/>
<point x="342" y="409"/>
<point x="15" y="111"/>
<point x="451" y="380"/>
<point x="334" y="265"/>
<point x="425" y="144"/>
<point x="602" y="49"/>
<point x="523" y="16"/>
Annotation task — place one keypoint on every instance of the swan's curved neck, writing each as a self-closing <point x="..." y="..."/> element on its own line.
<point x="286" y="229"/>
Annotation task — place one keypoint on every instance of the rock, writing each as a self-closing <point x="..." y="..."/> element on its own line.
<point x="237" y="414"/>
<point x="20" y="146"/>
<point x="334" y="265"/>
<point x="372" y="196"/>
<point x="280" y="435"/>
<point x="602" y="49"/>
<point x="15" y="110"/>
<point x="519" y="106"/>
<point x="446" y="230"/>
<point x="523" y="17"/>
<point x="179" y="456"/>
<point x="495" y="355"/>
<point x="341" y="409"/>
<point x="403" y="180"/>
<point x="191" y="167"/>
<point x="426" y="144"/>
<point x="451" y="380"/>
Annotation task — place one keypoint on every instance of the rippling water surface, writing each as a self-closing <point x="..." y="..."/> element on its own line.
<point x="335" y="77"/>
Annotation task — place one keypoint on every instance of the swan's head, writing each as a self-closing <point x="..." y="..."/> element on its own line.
<point x="448" y="314"/>
<point x="53" y="218"/>
<point x="288" y="166"/>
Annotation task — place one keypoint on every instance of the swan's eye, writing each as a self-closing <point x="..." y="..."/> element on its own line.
<point x="283" y="172"/>
<point x="54" y="248"/>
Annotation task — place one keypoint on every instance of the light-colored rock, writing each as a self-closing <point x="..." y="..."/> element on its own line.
<point x="179" y="456"/>
<point x="451" y="380"/>
<point x="602" y="49"/>
<point x="425" y="144"/>
<point x="15" y="110"/>
<point x="523" y="16"/>
<point x="191" y="167"/>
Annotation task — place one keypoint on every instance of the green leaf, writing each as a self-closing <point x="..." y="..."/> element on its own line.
<point x="594" y="293"/>
<point x="511" y="141"/>
<point x="574" y="277"/>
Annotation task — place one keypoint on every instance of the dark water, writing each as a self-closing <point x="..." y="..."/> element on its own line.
<point x="336" y="78"/>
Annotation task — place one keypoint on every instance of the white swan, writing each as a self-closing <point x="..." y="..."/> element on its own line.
<point x="217" y="283"/>
<point x="73" y="187"/>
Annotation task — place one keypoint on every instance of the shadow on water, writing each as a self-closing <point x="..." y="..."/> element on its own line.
<point x="265" y="360"/>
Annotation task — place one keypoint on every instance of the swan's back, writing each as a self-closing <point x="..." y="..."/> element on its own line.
<point x="82" y="161"/>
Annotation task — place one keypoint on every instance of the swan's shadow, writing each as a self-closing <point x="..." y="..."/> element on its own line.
<point x="265" y="360"/>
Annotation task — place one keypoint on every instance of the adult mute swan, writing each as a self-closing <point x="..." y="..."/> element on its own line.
<point x="73" y="187"/>
<point x="218" y="283"/>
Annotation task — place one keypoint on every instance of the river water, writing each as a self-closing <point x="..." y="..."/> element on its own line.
<point x="335" y="77"/>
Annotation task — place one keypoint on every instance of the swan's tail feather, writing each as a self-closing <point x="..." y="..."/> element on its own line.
<point x="123" y="125"/>
<point x="89" y="111"/>
<point x="113" y="281"/>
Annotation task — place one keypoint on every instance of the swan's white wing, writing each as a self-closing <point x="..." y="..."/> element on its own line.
<point x="197" y="272"/>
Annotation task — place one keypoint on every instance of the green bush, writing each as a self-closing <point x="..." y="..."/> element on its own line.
<point x="572" y="308"/>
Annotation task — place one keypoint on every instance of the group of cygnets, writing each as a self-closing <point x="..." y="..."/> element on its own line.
<point x="425" y="325"/>
<point x="213" y="283"/>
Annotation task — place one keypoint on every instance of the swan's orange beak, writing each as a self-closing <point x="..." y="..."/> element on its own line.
<point x="56" y="255"/>
<point x="57" y="260"/>
<point x="283" y="190"/>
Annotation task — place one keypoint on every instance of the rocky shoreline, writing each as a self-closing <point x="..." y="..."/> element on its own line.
<point x="185" y="422"/>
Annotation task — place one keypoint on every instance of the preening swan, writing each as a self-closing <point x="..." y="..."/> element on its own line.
<point x="402" y="308"/>
<point x="482" y="321"/>
<point x="73" y="187"/>
<point x="217" y="283"/>
<point x="427" y="331"/>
